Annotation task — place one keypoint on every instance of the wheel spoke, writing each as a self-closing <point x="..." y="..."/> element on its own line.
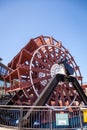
<point x="44" y="56"/>
<point x="49" y="54"/>
<point x="36" y="69"/>
<point x="68" y="95"/>
<point x="41" y="62"/>
<point x="36" y="80"/>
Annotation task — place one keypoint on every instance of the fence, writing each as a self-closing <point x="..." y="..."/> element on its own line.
<point x="47" y="117"/>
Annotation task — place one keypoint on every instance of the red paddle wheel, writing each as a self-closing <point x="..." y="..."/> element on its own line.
<point x="33" y="67"/>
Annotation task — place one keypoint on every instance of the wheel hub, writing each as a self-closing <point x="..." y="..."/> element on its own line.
<point x="57" y="69"/>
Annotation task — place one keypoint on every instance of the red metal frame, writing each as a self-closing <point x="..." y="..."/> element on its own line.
<point x="18" y="77"/>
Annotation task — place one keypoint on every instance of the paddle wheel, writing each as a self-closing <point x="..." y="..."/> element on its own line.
<point x="31" y="70"/>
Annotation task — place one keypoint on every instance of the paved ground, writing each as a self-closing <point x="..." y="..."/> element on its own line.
<point x="4" y="128"/>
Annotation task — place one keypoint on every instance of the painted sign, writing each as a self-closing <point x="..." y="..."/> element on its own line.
<point x="85" y="115"/>
<point x="62" y="119"/>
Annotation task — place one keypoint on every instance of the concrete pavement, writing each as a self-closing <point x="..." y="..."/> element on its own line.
<point x="4" y="128"/>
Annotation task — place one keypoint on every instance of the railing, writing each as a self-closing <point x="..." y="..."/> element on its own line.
<point x="39" y="117"/>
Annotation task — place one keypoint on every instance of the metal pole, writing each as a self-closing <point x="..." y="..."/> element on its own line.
<point x="21" y="119"/>
<point x="50" y="120"/>
<point x="80" y="118"/>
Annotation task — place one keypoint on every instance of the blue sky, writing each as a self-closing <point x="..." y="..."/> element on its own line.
<point x="65" y="20"/>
